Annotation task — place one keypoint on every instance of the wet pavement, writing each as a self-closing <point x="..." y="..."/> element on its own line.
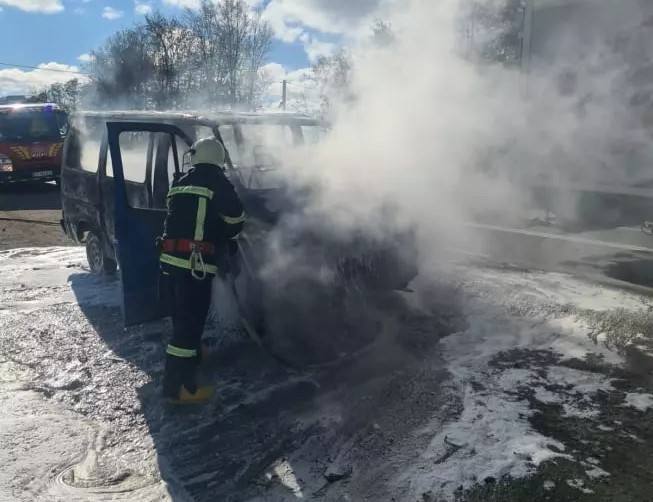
<point x="390" y="423"/>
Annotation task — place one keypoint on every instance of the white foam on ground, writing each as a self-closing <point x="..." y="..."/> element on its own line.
<point x="641" y="402"/>
<point x="40" y="439"/>
<point x="493" y="437"/>
<point x="32" y="278"/>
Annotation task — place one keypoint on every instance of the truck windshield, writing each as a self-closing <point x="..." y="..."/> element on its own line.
<point x="32" y="125"/>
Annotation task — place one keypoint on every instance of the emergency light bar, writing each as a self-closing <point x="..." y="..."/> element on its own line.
<point x="43" y="107"/>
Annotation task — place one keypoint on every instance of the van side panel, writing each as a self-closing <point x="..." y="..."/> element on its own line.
<point x="80" y="197"/>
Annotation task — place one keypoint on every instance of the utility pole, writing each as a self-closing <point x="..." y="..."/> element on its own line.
<point x="527" y="34"/>
<point x="284" y="95"/>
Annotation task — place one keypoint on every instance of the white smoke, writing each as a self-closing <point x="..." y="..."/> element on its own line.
<point x="442" y="138"/>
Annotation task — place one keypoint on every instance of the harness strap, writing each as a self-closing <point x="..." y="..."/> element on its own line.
<point x="187" y="264"/>
<point x="187" y="246"/>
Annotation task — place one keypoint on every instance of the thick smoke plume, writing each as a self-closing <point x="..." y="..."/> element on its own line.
<point x="436" y="136"/>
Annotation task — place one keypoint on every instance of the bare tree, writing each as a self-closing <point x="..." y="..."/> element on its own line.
<point x="234" y="27"/>
<point x="122" y="69"/>
<point x="204" y="26"/>
<point x="492" y="31"/>
<point x="258" y="44"/>
<point x="170" y="44"/>
<point x="383" y="34"/>
<point x="334" y="73"/>
<point x="333" y="76"/>
<point x="214" y="56"/>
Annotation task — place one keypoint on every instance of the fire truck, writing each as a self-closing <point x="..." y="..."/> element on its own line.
<point x="31" y="140"/>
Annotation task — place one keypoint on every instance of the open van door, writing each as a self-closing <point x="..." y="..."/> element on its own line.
<point x="138" y="224"/>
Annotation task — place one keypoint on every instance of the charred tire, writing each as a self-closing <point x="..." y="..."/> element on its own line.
<point x="310" y="324"/>
<point x="97" y="259"/>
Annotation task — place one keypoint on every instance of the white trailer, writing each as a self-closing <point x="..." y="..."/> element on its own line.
<point x="563" y="39"/>
<point x="560" y="31"/>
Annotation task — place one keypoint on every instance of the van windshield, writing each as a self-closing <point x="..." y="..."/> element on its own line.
<point x="260" y="156"/>
<point x="30" y="125"/>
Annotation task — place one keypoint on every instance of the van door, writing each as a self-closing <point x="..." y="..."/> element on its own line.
<point x="136" y="149"/>
<point x="137" y="222"/>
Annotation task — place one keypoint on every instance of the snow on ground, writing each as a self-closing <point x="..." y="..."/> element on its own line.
<point x="522" y="329"/>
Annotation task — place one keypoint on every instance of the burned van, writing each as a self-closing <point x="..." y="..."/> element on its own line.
<point x="116" y="172"/>
<point x="151" y="146"/>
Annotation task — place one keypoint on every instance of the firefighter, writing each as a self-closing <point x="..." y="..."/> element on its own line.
<point x="204" y="214"/>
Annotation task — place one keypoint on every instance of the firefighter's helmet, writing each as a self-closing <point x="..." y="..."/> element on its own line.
<point x="207" y="151"/>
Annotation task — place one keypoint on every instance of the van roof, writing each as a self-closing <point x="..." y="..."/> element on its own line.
<point x="201" y="118"/>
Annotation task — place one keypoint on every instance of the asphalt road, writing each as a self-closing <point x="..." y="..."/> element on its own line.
<point x="30" y="197"/>
<point x="620" y="256"/>
<point x="29" y="216"/>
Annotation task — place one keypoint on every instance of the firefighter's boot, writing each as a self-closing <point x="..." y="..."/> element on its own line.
<point x="179" y="385"/>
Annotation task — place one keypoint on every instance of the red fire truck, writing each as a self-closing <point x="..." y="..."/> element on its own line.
<point x="31" y="141"/>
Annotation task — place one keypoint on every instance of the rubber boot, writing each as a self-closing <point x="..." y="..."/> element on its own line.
<point x="179" y="386"/>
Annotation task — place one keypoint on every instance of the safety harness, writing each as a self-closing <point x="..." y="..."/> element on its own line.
<point x="196" y="247"/>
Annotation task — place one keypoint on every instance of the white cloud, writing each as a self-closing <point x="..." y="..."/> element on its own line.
<point x="17" y="81"/>
<point x="290" y="33"/>
<point x="39" y="6"/>
<point x="182" y="4"/>
<point x="142" y="8"/>
<point x="111" y="14"/>
<point x="85" y="58"/>
<point x="315" y="48"/>
<point x="327" y="16"/>
<point x="307" y="20"/>
<point x="274" y="71"/>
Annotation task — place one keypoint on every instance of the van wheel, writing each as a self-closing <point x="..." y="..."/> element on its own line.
<point x="97" y="260"/>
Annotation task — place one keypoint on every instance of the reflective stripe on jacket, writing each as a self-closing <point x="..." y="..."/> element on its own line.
<point x="202" y="206"/>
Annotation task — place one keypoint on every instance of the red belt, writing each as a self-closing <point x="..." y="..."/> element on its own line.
<point x="187" y="246"/>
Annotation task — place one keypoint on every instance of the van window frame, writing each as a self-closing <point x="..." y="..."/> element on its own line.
<point x="75" y="134"/>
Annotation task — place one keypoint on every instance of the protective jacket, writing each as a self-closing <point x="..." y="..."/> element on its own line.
<point x="204" y="212"/>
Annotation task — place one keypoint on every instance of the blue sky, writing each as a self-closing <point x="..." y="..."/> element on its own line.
<point x="56" y="34"/>
<point x="62" y="36"/>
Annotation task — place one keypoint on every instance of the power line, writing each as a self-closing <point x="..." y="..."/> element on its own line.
<point x="301" y="85"/>
<point x="43" y="69"/>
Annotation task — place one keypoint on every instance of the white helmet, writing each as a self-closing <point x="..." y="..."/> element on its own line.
<point x="207" y="151"/>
